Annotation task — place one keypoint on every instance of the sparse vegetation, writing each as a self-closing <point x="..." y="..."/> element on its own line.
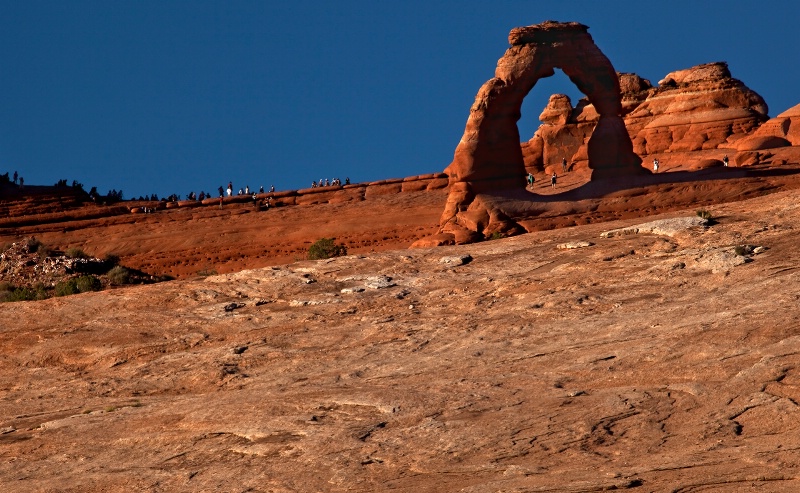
<point x="33" y="245"/>
<point x="27" y="277"/>
<point x="82" y="284"/>
<point x="88" y="283"/>
<point x="111" y="260"/>
<point x="497" y="235"/>
<point x="75" y="252"/>
<point x="11" y="293"/>
<point x="119" y="275"/>
<point x="207" y="272"/>
<point x="326" y="248"/>
<point x="705" y="214"/>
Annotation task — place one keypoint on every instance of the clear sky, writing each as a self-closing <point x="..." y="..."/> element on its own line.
<point x="164" y="96"/>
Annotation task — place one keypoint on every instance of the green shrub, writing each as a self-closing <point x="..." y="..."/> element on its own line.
<point x="704" y="214"/>
<point x="119" y="275"/>
<point x="25" y="294"/>
<point x="66" y="288"/>
<point x="75" y="252"/>
<point x="325" y="248"/>
<point x="88" y="283"/>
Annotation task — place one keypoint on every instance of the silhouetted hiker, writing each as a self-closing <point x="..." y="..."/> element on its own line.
<point x="272" y="188"/>
<point x="724" y="162"/>
<point x="230" y="188"/>
<point x="221" y="191"/>
<point x="247" y="190"/>
<point x="261" y="189"/>
<point x="564" y="164"/>
<point x="553" y="180"/>
<point x="655" y="165"/>
<point x="347" y="180"/>
<point x="530" y="180"/>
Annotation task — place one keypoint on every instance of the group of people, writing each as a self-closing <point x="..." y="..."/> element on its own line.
<point x="553" y="177"/>
<point x="242" y="191"/>
<point x="334" y="182"/>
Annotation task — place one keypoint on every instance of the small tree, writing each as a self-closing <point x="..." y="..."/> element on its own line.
<point x="326" y="248"/>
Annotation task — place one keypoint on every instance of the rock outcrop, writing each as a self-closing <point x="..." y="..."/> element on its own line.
<point x="694" y="109"/>
<point x="702" y="107"/>
<point x="781" y="131"/>
<point x="489" y="158"/>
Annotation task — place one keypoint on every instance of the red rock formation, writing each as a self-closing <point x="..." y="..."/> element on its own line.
<point x="489" y="157"/>
<point x="702" y="107"/>
<point x="780" y="131"/>
<point x="694" y="109"/>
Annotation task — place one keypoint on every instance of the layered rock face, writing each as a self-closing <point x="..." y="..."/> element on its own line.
<point x="489" y="158"/>
<point x="698" y="108"/>
<point x="781" y="131"/>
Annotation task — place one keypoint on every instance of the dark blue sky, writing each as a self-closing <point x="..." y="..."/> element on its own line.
<point x="176" y="96"/>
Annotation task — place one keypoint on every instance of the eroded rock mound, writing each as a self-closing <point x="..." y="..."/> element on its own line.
<point x="785" y="127"/>
<point x="702" y="107"/>
<point x="489" y="157"/>
<point x="694" y="109"/>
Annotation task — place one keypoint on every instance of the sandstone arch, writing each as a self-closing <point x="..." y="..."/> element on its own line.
<point x="488" y="159"/>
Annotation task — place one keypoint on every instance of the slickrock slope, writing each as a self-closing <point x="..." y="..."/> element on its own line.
<point x="184" y="241"/>
<point x="660" y="356"/>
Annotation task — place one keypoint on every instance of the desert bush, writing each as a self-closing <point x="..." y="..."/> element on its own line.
<point x="66" y="288"/>
<point x="119" y="275"/>
<point x="111" y="260"/>
<point x="497" y="235"/>
<point x="75" y="252"/>
<point x="27" y="294"/>
<point x="326" y="248"/>
<point x="704" y="214"/>
<point x="82" y="284"/>
<point x="33" y="245"/>
<point x="88" y="283"/>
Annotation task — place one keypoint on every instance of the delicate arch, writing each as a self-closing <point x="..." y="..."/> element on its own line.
<point x="489" y="157"/>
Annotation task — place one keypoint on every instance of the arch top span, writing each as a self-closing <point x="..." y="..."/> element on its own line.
<point x="546" y="32"/>
<point x="489" y="159"/>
